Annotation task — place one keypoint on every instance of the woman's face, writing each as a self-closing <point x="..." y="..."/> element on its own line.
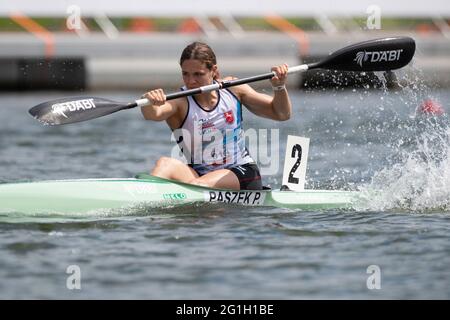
<point x="196" y="74"/>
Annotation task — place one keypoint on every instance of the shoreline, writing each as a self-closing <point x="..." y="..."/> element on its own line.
<point x="133" y="61"/>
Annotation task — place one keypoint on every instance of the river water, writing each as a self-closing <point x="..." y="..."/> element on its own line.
<point x="396" y="247"/>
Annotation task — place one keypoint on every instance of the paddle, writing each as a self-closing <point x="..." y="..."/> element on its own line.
<point x="373" y="55"/>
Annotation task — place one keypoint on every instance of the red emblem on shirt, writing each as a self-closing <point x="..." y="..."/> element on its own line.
<point x="229" y="118"/>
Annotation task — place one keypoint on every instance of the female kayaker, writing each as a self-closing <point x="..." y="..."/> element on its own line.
<point x="208" y="126"/>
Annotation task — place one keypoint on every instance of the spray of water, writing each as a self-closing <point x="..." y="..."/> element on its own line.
<point x="398" y="156"/>
<point x="419" y="180"/>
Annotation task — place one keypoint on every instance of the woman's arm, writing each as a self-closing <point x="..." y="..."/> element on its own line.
<point x="277" y="107"/>
<point x="159" y="109"/>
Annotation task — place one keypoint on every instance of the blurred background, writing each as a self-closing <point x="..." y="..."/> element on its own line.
<point x="89" y="45"/>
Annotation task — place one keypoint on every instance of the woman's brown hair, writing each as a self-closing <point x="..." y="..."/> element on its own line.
<point x="199" y="51"/>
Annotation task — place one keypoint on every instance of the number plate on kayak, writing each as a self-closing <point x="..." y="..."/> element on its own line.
<point x="251" y="198"/>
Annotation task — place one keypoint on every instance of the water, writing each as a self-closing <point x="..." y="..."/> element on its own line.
<point x="365" y="140"/>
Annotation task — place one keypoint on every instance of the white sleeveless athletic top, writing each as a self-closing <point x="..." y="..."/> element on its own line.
<point x="213" y="139"/>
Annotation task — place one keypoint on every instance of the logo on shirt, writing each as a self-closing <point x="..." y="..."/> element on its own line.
<point x="229" y="117"/>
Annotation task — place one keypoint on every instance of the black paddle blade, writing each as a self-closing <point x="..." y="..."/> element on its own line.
<point x="373" y="55"/>
<point x="75" y="109"/>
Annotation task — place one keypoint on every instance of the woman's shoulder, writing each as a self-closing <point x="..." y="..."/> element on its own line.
<point x="238" y="91"/>
<point x="181" y="106"/>
<point x="228" y="78"/>
<point x="179" y="102"/>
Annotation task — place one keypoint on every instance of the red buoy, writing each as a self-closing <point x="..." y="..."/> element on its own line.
<point x="431" y="107"/>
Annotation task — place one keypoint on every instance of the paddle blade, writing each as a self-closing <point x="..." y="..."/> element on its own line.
<point x="75" y="109"/>
<point x="373" y="55"/>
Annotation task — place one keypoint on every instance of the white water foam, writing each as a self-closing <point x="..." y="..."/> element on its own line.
<point x="420" y="178"/>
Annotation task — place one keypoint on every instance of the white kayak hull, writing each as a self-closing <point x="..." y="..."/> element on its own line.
<point x="90" y="195"/>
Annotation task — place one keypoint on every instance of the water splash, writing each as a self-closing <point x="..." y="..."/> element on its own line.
<point x="420" y="178"/>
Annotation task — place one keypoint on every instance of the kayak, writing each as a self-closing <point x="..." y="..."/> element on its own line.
<point x="146" y="191"/>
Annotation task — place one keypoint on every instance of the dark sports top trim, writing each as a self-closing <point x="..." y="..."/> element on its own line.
<point x="240" y="102"/>
<point x="218" y="101"/>
<point x="187" y="113"/>
<point x="232" y="93"/>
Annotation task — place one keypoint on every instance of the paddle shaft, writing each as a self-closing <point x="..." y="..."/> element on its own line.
<point x="220" y="85"/>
